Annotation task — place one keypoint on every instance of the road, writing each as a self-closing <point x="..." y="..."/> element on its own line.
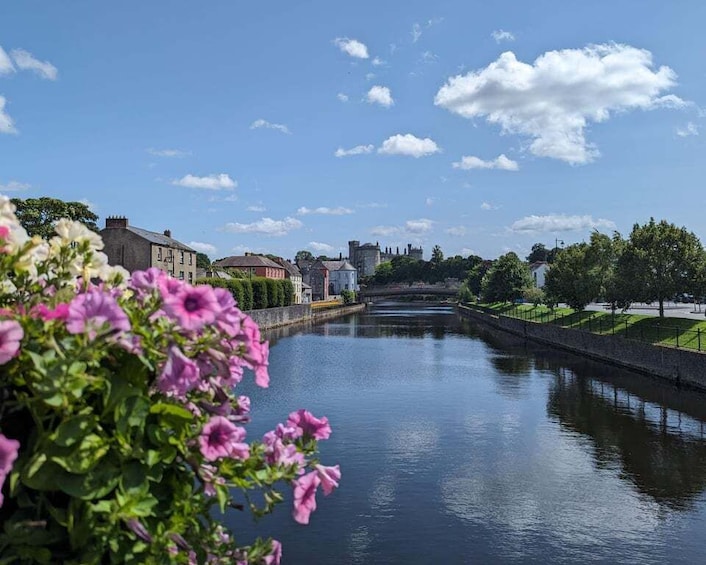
<point x="671" y="310"/>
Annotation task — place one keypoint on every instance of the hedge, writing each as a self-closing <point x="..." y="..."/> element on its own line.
<point x="257" y="293"/>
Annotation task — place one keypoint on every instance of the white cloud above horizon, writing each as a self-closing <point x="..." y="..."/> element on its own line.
<point x="416" y="227"/>
<point x="321" y="247"/>
<point x="6" y="66"/>
<point x="202" y="247"/>
<point x="500" y="35"/>
<point x="352" y="47"/>
<point x="416" y="32"/>
<point x="342" y="97"/>
<point x="457" y="231"/>
<point x="25" y="61"/>
<point x="169" y="153"/>
<point x="210" y="182"/>
<point x="380" y="95"/>
<point x="265" y="226"/>
<point x="256" y="208"/>
<point x="6" y="123"/>
<point x="559" y="223"/>
<point x="260" y="123"/>
<point x="323" y="210"/>
<point x="15" y="186"/>
<point x="553" y="100"/>
<point x="688" y="130"/>
<point x="501" y="162"/>
<point x="357" y="150"/>
<point x="408" y="145"/>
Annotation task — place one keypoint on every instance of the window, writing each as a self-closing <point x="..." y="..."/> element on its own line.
<point x="181" y="275"/>
<point x="159" y="254"/>
<point x="191" y="258"/>
<point x="191" y="277"/>
<point x="181" y="257"/>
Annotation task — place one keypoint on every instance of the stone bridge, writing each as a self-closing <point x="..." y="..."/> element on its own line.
<point x="368" y="293"/>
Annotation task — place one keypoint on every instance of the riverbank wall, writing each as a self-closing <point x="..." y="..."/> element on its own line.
<point x="269" y="318"/>
<point x="678" y="366"/>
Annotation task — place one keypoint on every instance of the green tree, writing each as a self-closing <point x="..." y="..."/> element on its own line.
<point x="538" y="253"/>
<point x="202" y="261"/>
<point x="38" y="215"/>
<point x="303" y="255"/>
<point x="506" y="279"/>
<point x="659" y="260"/>
<point x="571" y="278"/>
<point x="474" y="280"/>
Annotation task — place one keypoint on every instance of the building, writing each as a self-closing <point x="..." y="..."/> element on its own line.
<point x="254" y="265"/>
<point x="293" y="273"/>
<point x="365" y="258"/>
<point x="539" y="271"/>
<point x="306" y="293"/>
<point x="342" y="276"/>
<point x="137" y="249"/>
<point x="316" y="275"/>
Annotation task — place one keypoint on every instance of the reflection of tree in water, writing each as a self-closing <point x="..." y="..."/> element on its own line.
<point x="663" y="463"/>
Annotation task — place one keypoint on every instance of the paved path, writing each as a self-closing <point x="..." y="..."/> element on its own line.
<point x="671" y="310"/>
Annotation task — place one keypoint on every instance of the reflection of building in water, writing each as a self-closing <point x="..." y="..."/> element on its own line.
<point x="662" y="451"/>
<point x="368" y="256"/>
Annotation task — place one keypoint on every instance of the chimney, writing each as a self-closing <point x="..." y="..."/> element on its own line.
<point x="168" y="233"/>
<point x="340" y="256"/>
<point x="116" y="222"/>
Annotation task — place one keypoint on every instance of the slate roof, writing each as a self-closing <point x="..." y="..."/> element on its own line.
<point x="247" y="261"/>
<point x="292" y="270"/>
<point x="158" y="238"/>
<point x="342" y="265"/>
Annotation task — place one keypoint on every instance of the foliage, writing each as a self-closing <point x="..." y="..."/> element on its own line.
<point x="538" y="253"/>
<point x="259" y="290"/>
<point x="348" y="296"/>
<point x="533" y="295"/>
<point x="405" y="269"/>
<point x="571" y="278"/>
<point x="288" y="290"/>
<point x="437" y="257"/>
<point x="474" y="279"/>
<point x="658" y="261"/>
<point x="38" y="215"/>
<point x="303" y="255"/>
<point x="121" y="433"/>
<point x="202" y="261"/>
<point x="465" y="295"/>
<point x="506" y="279"/>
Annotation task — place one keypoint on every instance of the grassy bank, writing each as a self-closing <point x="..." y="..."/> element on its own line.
<point x="674" y="332"/>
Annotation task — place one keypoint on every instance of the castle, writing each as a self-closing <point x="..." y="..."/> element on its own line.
<point x="367" y="257"/>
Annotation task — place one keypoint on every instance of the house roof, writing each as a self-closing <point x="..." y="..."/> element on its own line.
<point x="246" y="261"/>
<point x="341" y="265"/>
<point x="291" y="269"/>
<point x="537" y="264"/>
<point x="158" y="238"/>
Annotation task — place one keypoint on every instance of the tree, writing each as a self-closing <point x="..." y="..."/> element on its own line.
<point x="539" y="253"/>
<point x="437" y="256"/>
<point x="38" y="215"/>
<point x="202" y="261"/>
<point x="659" y="260"/>
<point x="571" y="278"/>
<point x="303" y="255"/>
<point x="506" y="279"/>
<point x="474" y="280"/>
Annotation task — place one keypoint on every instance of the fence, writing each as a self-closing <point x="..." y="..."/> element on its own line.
<point x="657" y="332"/>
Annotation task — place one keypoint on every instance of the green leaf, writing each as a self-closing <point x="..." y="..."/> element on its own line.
<point x="134" y="478"/>
<point x="84" y="456"/>
<point x="73" y="429"/>
<point x="90" y="486"/>
<point x="177" y="412"/>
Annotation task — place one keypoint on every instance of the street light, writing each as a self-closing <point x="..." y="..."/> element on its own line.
<point x="556" y="244"/>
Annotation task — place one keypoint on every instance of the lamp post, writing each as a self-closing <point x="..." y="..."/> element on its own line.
<point x="556" y="244"/>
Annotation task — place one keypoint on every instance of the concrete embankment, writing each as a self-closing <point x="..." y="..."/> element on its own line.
<point x="679" y="366"/>
<point x="278" y="317"/>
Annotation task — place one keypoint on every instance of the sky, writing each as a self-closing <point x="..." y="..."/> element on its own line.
<point x="277" y="126"/>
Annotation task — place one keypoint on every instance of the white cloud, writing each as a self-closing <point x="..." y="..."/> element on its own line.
<point x="89" y="204"/>
<point x="384" y="231"/>
<point x="457" y="231"/>
<point x="372" y="205"/>
<point x="429" y="57"/>
<point x="486" y="206"/>
<point x="6" y="123"/>
<point x="342" y="97"/>
<point x="266" y="226"/>
<point x="256" y="208"/>
<point x="210" y="182"/>
<point x="357" y="150"/>
<point x="6" y="66"/>
<point x="369" y="76"/>
<point x="409" y="145"/>
<point x="231" y="198"/>
<point x="171" y="153"/>
<point x="352" y="47"/>
<point x="416" y="32"/>
<point x="206" y="248"/>
<point x="265" y="124"/>
<point x="380" y="95"/>
<point x="14" y="186"/>
<point x="559" y="223"/>
<point x="501" y="162"/>
<point x="500" y="35"/>
<point x="323" y="210"/>
<point x="553" y="100"/>
<point x="377" y="62"/>
<point x="321" y="247"/>
<point x="689" y="129"/>
<point x="419" y="226"/>
<point x="25" y="61"/>
<point x="466" y="251"/>
<point x="430" y="201"/>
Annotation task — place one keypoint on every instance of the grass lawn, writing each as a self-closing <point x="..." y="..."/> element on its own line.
<point x="674" y="332"/>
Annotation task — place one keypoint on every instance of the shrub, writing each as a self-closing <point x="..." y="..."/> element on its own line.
<point x="288" y="290"/>
<point x="121" y="431"/>
<point x="259" y="290"/>
<point x="348" y="296"/>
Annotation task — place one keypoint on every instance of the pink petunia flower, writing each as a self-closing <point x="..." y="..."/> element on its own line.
<point x="275" y="556"/>
<point x="11" y="333"/>
<point x="307" y="424"/>
<point x="220" y="438"/>
<point x="229" y="316"/>
<point x="61" y="312"/>
<point x="8" y="454"/>
<point x="192" y="306"/>
<point x="329" y="477"/>
<point x="150" y="279"/>
<point x="94" y="312"/>
<point x="179" y="375"/>
<point x="305" y="496"/>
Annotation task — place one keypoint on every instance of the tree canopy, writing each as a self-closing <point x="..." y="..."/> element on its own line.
<point x="506" y="279"/>
<point x="38" y="215"/>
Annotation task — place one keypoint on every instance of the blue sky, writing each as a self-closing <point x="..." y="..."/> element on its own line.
<point x="279" y="126"/>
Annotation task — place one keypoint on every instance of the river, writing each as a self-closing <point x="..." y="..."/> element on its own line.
<point x="458" y="444"/>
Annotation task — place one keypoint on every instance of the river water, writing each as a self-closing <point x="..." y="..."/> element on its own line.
<point x="458" y="444"/>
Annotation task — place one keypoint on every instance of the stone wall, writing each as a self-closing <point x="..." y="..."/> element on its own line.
<point x="277" y="317"/>
<point x="679" y="366"/>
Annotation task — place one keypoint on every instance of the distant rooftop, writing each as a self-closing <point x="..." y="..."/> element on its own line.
<point x="247" y="261"/>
